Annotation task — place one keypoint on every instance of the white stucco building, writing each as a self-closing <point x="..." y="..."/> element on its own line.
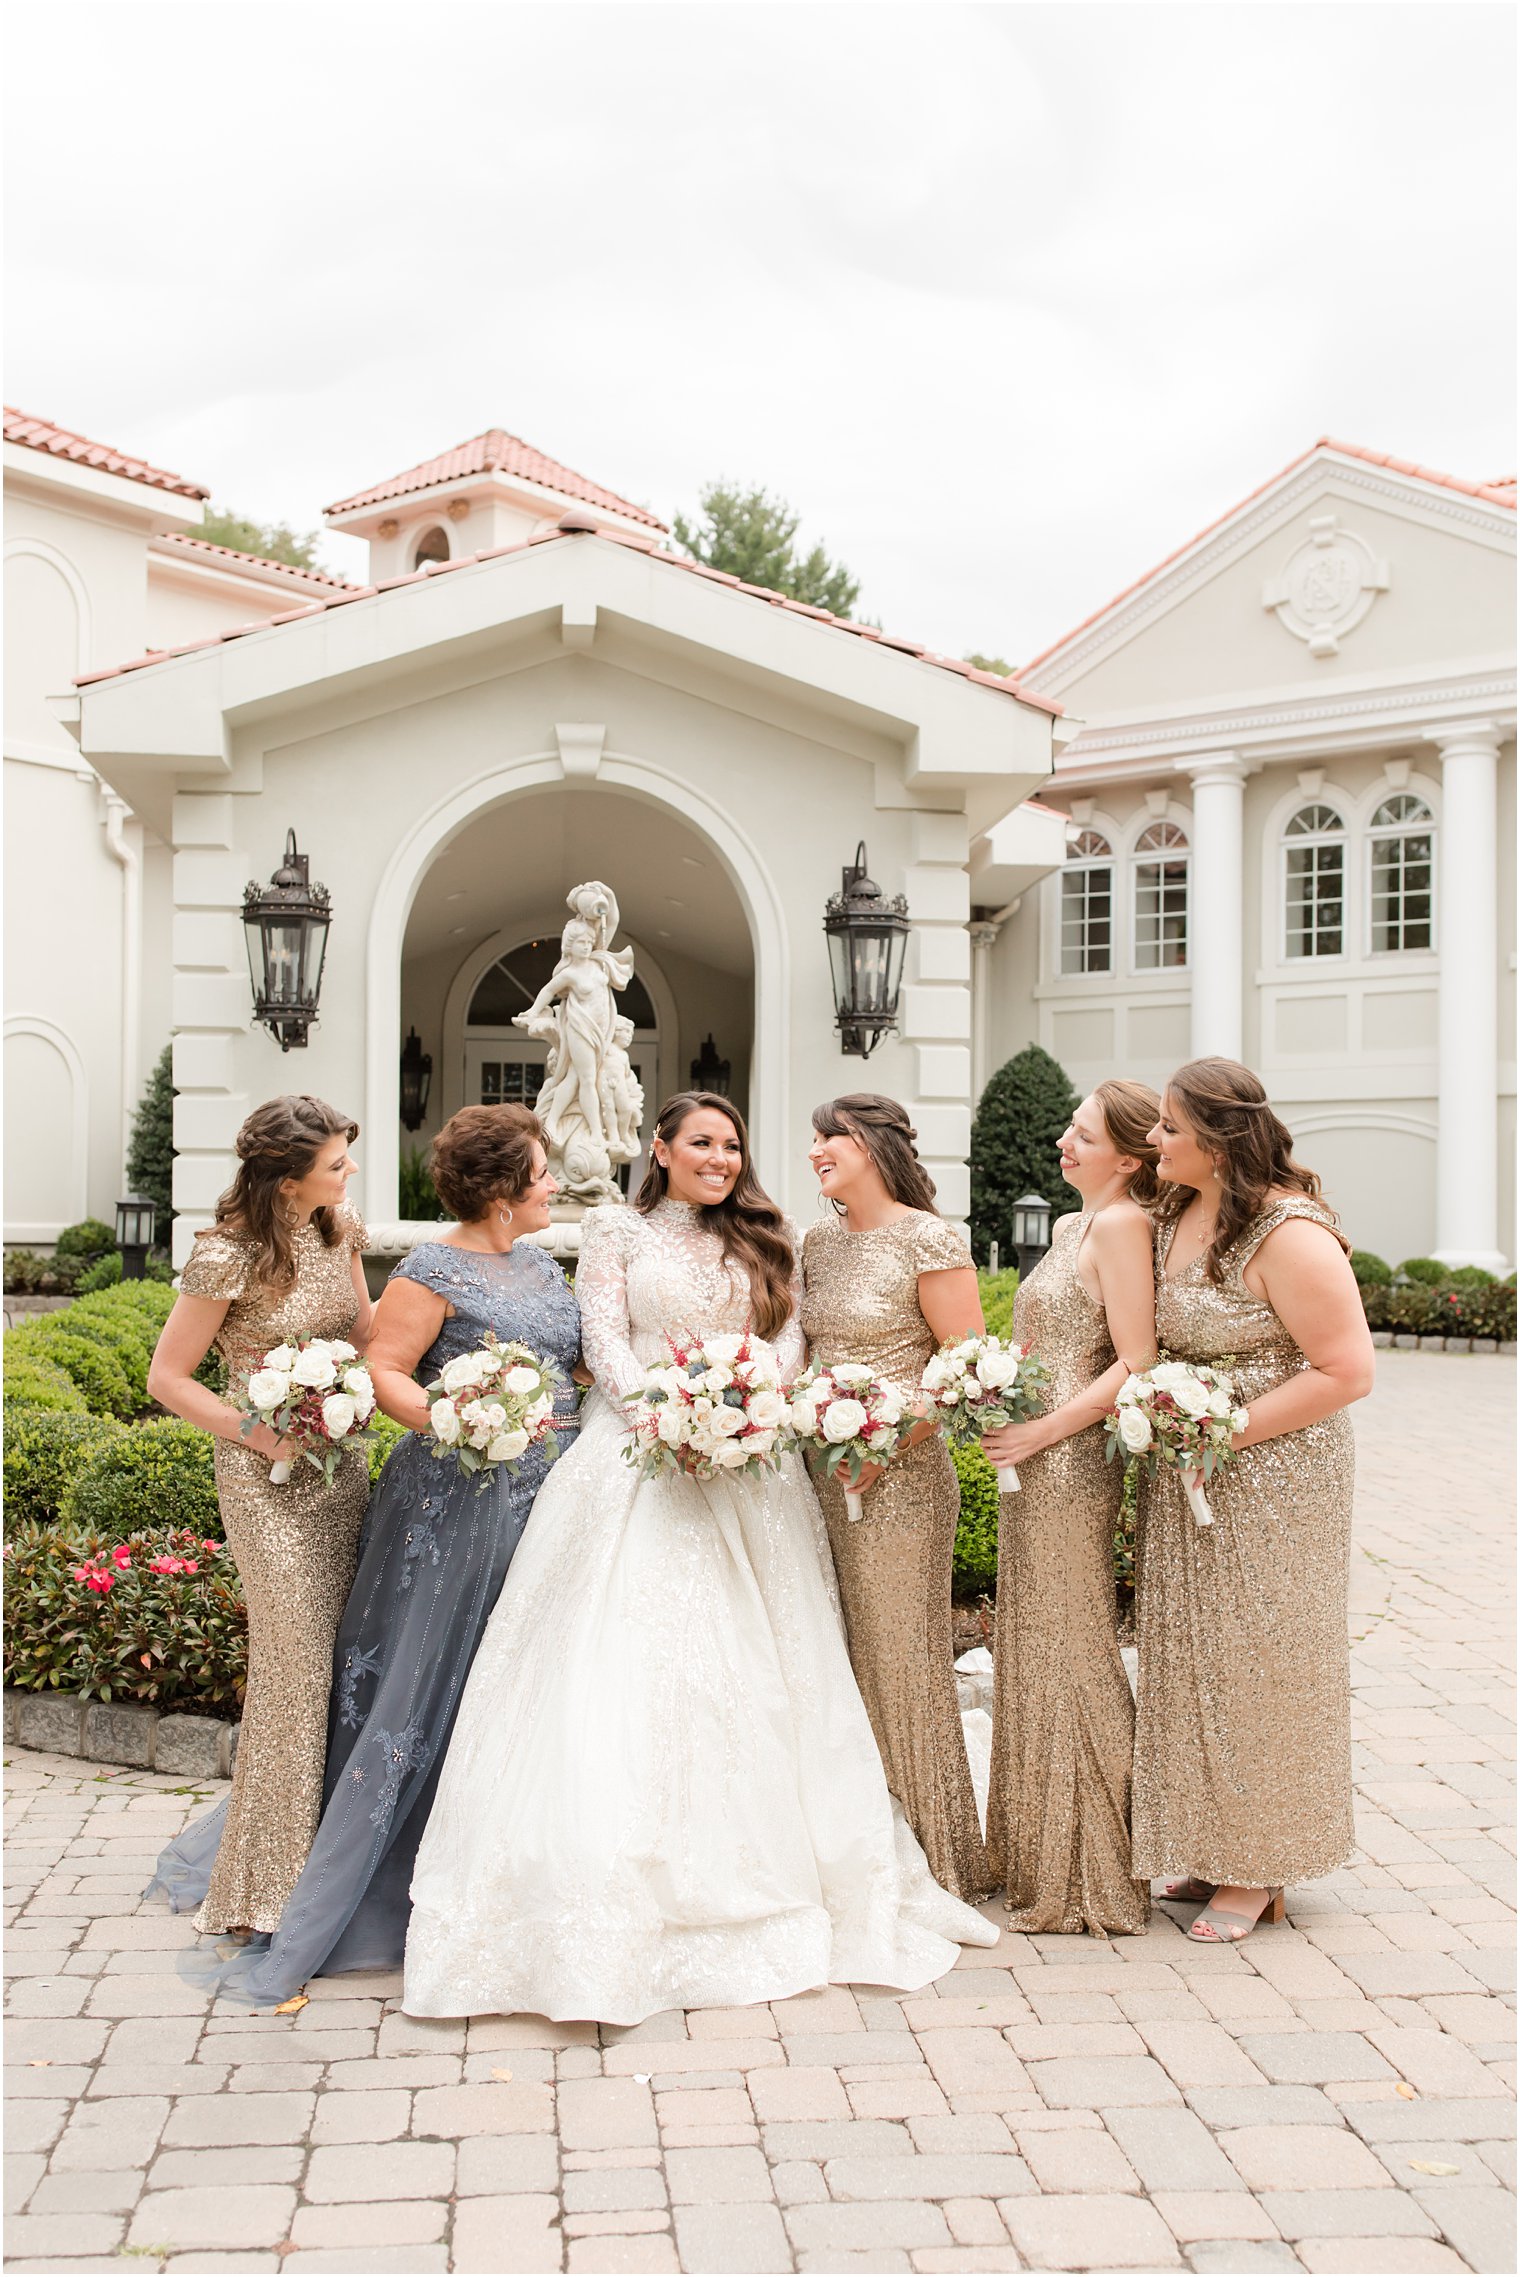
<point x="1291" y="803"/>
<point x="1276" y="819"/>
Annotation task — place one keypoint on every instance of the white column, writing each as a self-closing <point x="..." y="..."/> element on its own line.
<point x="935" y="1014"/>
<point x="1216" y="918"/>
<point x="1467" y="1057"/>
<point x="984" y="931"/>
<point x="211" y="1005"/>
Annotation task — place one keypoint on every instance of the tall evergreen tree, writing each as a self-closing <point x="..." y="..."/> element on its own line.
<point x="1015" y="1146"/>
<point x="150" y="1154"/>
<point x="751" y="535"/>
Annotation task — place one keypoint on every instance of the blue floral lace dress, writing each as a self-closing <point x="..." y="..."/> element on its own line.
<point x="432" y="1559"/>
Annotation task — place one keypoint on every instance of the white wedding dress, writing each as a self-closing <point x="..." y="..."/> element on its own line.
<point x="662" y="1789"/>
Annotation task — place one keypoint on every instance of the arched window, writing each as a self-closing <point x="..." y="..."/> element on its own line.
<point x="433" y="545"/>
<point x="1402" y="882"/>
<point x="1314" y="883"/>
<point x="1087" y="905"/>
<point x="1161" y="898"/>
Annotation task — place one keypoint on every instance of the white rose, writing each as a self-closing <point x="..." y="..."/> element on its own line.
<point x="534" y="1415"/>
<point x="507" y="1446"/>
<point x="997" y="1369"/>
<point x="761" y="1443"/>
<point x="282" y="1358"/>
<point x="889" y="1403"/>
<point x="851" y="1372"/>
<point x="521" y="1382"/>
<point x="313" y="1368"/>
<point x="1219" y="1403"/>
<point x="804" y="1419"/>
<point x="717" y="1380"/>
<point x="767" y="1408"/>
<point x="269" y="1388"/>
<point x="671" y="1426"/>
<point x="1192" y="1397"/>
<point x="732" y="1456"/>
<point x="846" y="1419"/>
<point x="459" y="1374"/>
<point x="356" y="1382"/>
<point x="724" y="1349"/>
<point x="1135" y="1429"/>
<point x="726" y="1422"/>
<point x="1239" y="1420"/>
<point x="338" y="1412"/>
<point x="445" y="1422"/>
<point x="1167" y="1375"/>
<point x="968" y="1348"/>
<point x="938" y="1373"/>
<point x="340" y="1351"/>
<point x="1133" y="1388"/>
<point x="880" y="1435"/>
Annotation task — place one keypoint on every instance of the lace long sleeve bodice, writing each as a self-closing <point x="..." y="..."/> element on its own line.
<point x="644" y="1280"/>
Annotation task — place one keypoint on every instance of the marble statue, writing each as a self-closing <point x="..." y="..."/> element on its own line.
<point x="591" y="1104"/>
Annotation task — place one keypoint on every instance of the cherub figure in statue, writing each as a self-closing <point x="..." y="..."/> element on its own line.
<point x="591" y="1104"/>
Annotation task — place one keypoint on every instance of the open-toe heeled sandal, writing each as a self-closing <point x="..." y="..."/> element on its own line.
<point x="1189" y="1891"/>
<point x="1221" y="1925"/>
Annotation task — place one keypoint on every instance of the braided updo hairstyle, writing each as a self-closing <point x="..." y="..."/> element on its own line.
<point x="280" y="1140"/>
<point x="882" y="1127"/>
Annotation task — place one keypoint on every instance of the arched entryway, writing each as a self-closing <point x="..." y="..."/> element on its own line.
<point x="474" y="902"/>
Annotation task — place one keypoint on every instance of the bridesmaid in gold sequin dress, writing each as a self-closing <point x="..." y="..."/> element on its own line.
<point x="284" y="1260"/>
<point x="1063" y="1724"/>
<point x="1243" y="1742"/>
<point x="886" y="1281"/>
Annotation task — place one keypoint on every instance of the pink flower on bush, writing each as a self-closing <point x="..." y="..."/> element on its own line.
<point x="95" y="1578"/>
<point x="121" y="1558"/>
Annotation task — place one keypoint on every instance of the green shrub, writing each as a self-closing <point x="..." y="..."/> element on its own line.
<point x="150" y="1152"/>
<point x="160" y="1475"/>
<point x="1369" y="1270"/>
<point x="1488" y="1311"/>
<point x="89" y="1359"/>
<point x="23" y="1271"/>
<point x="1124" y="1530"/>
<point x="1014" y="1145"/>
<point x="388" y="1435"/>
<point x="167" y="1639"/>
<point x="998" y="1291"/>
<point x="149" y="1301"/>
<point x="123" y="1331"/>
<point x="43" y="1450"/>
<point x="103" y="1274"/>
<point x="87" y="1239"/>
<point x="32" y="1383"/>
<point x="31" y="1275"/>
<point x="973" y="1569"/>
<point x="1470" y="1277"/>
<point x="1429" y="1271"/>
<point x="417" y="1196"/>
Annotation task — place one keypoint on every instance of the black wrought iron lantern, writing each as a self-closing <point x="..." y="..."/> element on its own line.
<point x="1031" y="1230"/>
<point x="136" y="1220"/>
<point x="868" y="941"/>
<point x="709" y="1072"/>
<point x="416" y="1080"/>
<point x="285" y="924"/>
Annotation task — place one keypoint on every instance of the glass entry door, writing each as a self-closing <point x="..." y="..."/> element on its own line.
<point x="504" y="1070"/>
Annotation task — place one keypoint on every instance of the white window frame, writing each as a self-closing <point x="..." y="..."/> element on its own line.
<point x="1086" y="864"/>
<point x="1141" y="856"/>
<point x="1314" y="959"/>
<point x="1408" y="829"/>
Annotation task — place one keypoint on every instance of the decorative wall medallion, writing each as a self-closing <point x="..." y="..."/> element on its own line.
<point x="1327" y="585"/>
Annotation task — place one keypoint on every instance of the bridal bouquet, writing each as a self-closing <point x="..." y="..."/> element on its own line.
<point x="719" y="1404"/>
<point x="979" y="1383"/>
<point x="314" y="1393"/>
<point x="852" y="1416"/>
<point x="489" y="1406"/>
<point x="1182" y="1413"/>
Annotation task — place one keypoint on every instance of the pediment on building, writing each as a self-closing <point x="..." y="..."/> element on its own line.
<point x="606" y="596"/>
<point x="1345" y="569"/>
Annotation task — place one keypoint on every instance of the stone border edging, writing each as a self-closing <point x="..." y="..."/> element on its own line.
<point x="120" y="1732"/>
<point x="1385" y="1339"/>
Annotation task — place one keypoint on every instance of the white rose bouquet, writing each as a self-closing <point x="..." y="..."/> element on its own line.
<point x="314" y="1393"/>
<point x="847" y="1416"/>
<point x="1182" y="1413"/>
<point x="719" y="1404"/>
<point x="977" y="1384"/>
<point x="489" y="1406"/>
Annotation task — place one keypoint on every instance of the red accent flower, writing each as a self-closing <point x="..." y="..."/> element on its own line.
<point x="121" y="1557"/>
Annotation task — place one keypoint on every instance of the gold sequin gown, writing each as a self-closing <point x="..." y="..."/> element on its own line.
<point x="295" y="1547"/>
<point x="1243" y="1738"/>
<point x="1063" y="1723"/>
<point x="893" y="1563"/>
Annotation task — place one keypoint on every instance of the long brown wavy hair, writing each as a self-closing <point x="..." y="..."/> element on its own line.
<point x="1129" y="1112"/>
<point x="1229" y="1114"/>
<point x="280" y="1140"/>
<point x="753" y="1229"/>
<point x="882" y="1127"/>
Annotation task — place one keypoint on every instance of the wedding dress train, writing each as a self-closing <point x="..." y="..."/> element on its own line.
<point x="663" y="1790"/>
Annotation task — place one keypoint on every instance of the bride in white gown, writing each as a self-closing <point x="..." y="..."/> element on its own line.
<point x="662" y="1789"/>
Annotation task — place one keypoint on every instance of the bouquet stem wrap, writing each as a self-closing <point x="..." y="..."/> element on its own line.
<point x="1007" y="1478"/>
<point x="1197" y="1500"/>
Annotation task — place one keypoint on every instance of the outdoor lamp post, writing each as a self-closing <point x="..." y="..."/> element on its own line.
<point x="285" y="924"/>
<point x="868" y="941"/>
<point x="416" y="1080"/>
<point x="1031" y="1231"/>
<point x="135" y="1220"/>
<point x="709" y="1072"/>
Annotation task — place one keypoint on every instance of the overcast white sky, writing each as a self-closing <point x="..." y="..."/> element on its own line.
<point x="1008" y="300"/>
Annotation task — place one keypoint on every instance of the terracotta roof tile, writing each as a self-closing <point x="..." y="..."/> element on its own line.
<point x="1501" y="493"/>
<point x="62" y="443"/>
<point x="508" y="454"/>
<point x="181" y="540"/>
<point x="1012" y="686"/>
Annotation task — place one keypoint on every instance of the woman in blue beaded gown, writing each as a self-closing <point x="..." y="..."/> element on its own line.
<point x="432" y="1558"/>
